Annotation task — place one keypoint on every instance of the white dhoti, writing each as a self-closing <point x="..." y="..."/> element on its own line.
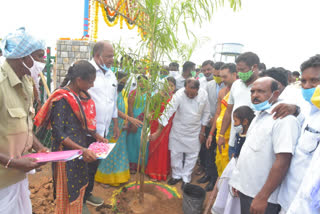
<point x="180" y="170"/>
<point x="15" y="199"/>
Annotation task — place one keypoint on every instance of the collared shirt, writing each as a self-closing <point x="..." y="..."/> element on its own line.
<point x="190" y="115"/>
<point x="265" y="138"/>
<point x="16" y="113"/>
<point x="240" y="95"/>
<point x="180" y="80"/>
<point x="307" y="198"/>
<point x="104" y="94"/>
<point x="308" y="142"/>
<point x="213" y="90"/>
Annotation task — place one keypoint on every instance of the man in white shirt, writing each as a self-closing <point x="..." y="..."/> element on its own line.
<point x="191" y="106"/>
<point x="266" y="154"/>
<point x="247" y="68"/>
<point x="186" y="73"/>
<point x="212" y="85"/>
<point x="310" y="136"/>
<point x="104" y="94"/>
<point x="174" y="70"/>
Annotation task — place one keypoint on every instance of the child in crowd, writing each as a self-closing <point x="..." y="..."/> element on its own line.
<point x="225" y="202"/>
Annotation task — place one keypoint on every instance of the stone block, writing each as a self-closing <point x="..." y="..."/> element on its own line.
<point x="71" y="54"/>
<point x="65" y="60"/>
<point x="77" y="55"/>
<point x="75" y="42"/>
<point x="69" y="48"/>
<point x="83" y="48"/>
<point x="75" y="48"/>
<point x="84" y="55"/>
<point x="66" y="66"/>
<point x="58" y="54"/>
<point x="58" y="47"/>
<point x="63" y="48"/>
<point x="59" y="66"/>
<point x="59" y="60"/>
<point x="64" y="54"/>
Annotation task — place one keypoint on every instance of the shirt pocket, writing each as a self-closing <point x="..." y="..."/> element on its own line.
<point x="309" y="142"/>
<point x="17" y="120"/>
<point x="260" y="141"/>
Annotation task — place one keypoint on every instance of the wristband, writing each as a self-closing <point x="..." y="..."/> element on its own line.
<point x="8" y="163"/>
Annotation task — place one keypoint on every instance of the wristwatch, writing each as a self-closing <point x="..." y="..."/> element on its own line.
<point x="297" y="112"/>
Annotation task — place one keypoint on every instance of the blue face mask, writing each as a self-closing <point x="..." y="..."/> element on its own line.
<point x="262" y="106"/>
<point x="308" y="93"/>
<point x="104" y="67"/>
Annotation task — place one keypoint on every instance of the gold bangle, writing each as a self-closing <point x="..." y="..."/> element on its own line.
<point x="8" y="163"/>
<point x="221" y="135"/>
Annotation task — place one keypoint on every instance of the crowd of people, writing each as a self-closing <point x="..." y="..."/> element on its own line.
<point x="253" y="132"/>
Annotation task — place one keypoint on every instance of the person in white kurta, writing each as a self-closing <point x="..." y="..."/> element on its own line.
<point x="104" y="94"/>
<point x="192" y="113"/>
<point x="309" y="140"/>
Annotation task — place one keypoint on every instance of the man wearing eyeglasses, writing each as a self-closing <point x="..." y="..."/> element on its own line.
<point x="309" y="138"/>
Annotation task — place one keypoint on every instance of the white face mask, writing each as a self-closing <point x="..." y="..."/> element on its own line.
<point x="36" y="68"/>
<point x="238" y="128"/>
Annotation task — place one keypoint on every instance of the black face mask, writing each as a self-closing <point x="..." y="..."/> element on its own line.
<point x="120" y="87"/>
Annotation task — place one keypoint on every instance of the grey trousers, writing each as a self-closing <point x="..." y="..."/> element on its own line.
<point x="245" y="203"/>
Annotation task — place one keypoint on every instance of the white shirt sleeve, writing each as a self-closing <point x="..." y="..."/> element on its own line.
<point x="115" y="108"/>
<point x="206" y="114"/>
<point x="231" y="99"/>
<point x="171" y="108"/>
<point x="285" y="135"/>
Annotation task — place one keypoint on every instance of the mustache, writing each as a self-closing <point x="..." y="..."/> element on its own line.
<point x="256" y="100"/>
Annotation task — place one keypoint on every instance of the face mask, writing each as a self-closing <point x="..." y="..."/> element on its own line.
<point x="238" y="128"/>
<point x="37" y="66"/>
<point x="201" y="75"/>
<point x="217" y="79"/>
<point x="245" y="76"/>
<point x="103" y="66"/>
<point x="308" y="93"/>
<point x="315" y="99"/>
<point x="120" y="87"/>
<point x="193" y="73"/>
<point x="162" y="76"/>
<point x="262" y="106"/>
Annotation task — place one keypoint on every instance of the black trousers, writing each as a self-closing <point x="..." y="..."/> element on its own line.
<point x="245" y="203"/>
<point x="92" y="169"/>
<point x="208" y="157"/>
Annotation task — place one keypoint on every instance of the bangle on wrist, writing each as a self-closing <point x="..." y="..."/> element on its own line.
<point x="203" y="134"/>
<point x="8" y="163"/>
<point x="221" y="135"/>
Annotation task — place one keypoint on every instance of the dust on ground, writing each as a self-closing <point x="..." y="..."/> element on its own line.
<point x="41" y="190"/>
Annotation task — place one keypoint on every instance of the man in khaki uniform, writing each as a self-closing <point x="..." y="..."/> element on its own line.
<point x="16" y="112"/>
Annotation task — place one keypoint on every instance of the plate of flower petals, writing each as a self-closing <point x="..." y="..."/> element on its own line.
<point x="102" y="150"/>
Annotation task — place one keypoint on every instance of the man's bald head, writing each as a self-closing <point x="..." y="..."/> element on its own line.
<point x="103" y="54"/>
<point x="264" y="88"/>
<point x="100" y="46"/>
<point x="193" y="83"/>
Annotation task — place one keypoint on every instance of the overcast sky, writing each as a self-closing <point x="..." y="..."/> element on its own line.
<point x="282" y="32"/>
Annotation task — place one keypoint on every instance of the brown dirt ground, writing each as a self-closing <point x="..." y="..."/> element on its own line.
<point x="43" y="203"/>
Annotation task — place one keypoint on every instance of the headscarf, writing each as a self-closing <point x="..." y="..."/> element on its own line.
<point x="20" y="44"/>
<point x="315" y="99"/>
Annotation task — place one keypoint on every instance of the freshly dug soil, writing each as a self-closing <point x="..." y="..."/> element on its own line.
<point x="155" y="202"/>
